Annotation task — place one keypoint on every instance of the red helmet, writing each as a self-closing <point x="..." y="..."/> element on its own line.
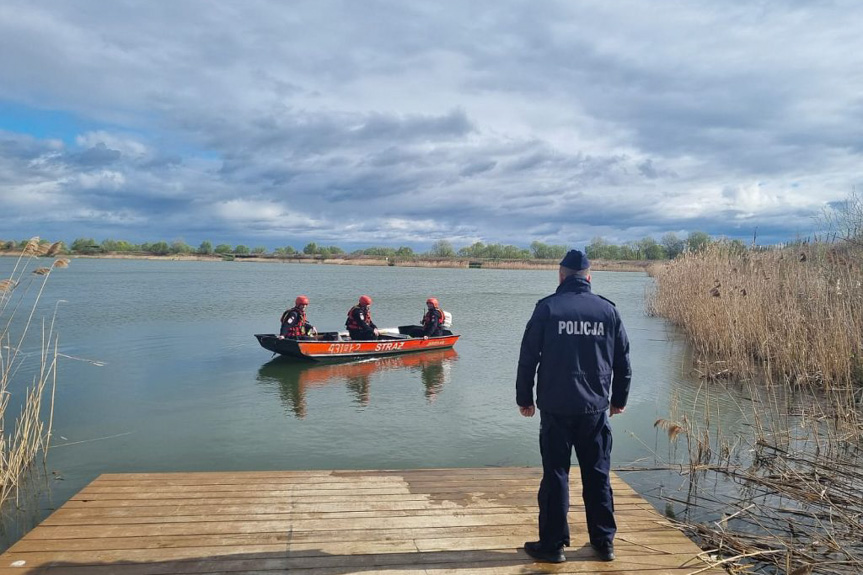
<point x="433" y="301"/>
<point x="301" y="300"/>
<point x="365" y="300"/>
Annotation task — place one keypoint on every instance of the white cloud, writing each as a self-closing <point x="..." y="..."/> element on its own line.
<point x="109" y="218"/>
<point x="103" y="180"/>
<point x="245" y="210"/>
<point x="412" y="226"/>
<point x="127" y="146"/>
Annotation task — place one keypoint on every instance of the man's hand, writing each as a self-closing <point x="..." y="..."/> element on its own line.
<point x="614" y="410"/>
<point x="527" y="411"/>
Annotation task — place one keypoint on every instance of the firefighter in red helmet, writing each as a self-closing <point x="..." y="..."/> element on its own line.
<point x="433" y="319"/>
<point x="294" y="324"/>
<point x="359" y="323"/>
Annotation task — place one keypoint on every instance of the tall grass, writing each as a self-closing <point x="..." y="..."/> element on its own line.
<point x="793" y="316"/>
<point x="22" y="441"/>
<point x="783" y="494"/>
<point x="784" y="330"/>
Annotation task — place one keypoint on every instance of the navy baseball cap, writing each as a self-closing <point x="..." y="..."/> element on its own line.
<point x="575" y="260"/>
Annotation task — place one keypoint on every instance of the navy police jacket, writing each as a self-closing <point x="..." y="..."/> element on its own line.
<point x="579" y="342"/>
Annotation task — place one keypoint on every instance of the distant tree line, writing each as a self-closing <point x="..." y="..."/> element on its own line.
<point x="479" y="250"/>
<point x="668" y="247"/>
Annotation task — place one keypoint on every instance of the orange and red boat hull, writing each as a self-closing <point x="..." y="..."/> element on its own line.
<point x="349" y="349"/>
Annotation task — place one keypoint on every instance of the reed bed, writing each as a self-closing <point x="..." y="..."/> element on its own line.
<point x="793" y="316"/>
<point x="22" y="442"/>
<point x="783" y="496"/>
<point x="782" y="329"/>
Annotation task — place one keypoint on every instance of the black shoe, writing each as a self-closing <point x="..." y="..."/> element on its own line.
<point x="535" y="550"/>
<point x="604" y="551"/>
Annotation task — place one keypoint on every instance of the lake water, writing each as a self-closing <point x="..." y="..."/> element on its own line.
<point x="181" y="384"/>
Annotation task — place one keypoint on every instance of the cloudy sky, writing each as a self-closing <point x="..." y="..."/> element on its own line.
<point x="395" y="123"/>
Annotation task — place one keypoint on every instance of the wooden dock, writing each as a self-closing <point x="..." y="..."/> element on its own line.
<point x="431" y="521"/>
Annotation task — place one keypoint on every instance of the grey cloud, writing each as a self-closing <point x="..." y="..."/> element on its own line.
<point x="527" y="162"/>
<point x="476" y="168"/>
<point x="97" y="156"/>
<point x="455" y="124"/>
<point x="162" y="161"/>
<point x="647" y="170"/>
<point x="523" y="120"/>
<point x="393" y="156"/>
<point x="546" y="230"/>
<point x="23" y="147"/>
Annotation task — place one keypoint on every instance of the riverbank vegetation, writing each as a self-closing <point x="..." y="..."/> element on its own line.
<point x="790" y="316"/>
<point x="782" y="494"/>
<point x="28" y="373"/>
<point x="646" y="249"/>
<point x="784" y="329"/>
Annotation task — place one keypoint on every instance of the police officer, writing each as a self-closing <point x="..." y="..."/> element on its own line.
<point x="579" y="342"/>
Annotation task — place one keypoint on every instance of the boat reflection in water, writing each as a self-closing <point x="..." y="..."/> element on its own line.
<point x="295" y="379"/>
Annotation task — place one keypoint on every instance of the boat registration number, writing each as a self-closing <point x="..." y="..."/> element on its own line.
<point x="343" y="347"/>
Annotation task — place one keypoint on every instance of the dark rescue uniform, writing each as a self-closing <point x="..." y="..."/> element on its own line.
<point x="580" y="344"/>
<point x="359" y="323"/>
<point x="432" y="321"/>
<point x="294" y="323"/>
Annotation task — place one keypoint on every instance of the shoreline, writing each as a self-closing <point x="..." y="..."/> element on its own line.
<point x="596" y="265"/>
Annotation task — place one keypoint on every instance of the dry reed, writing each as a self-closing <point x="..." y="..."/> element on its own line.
<point x="797" y="313"/>
<point x="796" y="501"/>
<point x="788" y="325"/>
<point x="54" y="249"/>
<point x="21" y="443"/>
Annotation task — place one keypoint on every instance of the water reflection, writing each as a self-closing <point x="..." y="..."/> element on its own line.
<point x="294" y="379"/>
<point x="23" y="511"/>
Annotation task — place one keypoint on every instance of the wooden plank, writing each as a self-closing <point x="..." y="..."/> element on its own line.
<point x="336" y="520"/>
<point x="343" y="502"/>
<point x="503" y="568"/>
<point x="329" y="477"/>
<point x="517" y="565"/>
<point x="318" y="476"/>
<point x="254" y="527"/>
<point x="456" y="500"/>
<point x="352" y="506"/>
<point x="314" y="475"/>
<point x="248" y="527"/>
<point x="334" y="554"/>
<point x="311" y="490"/>
<point x="62" y="517"/>
<point x="482" y="562"/>
<point x="645" y="535"/>
<point x="330" y="522"/>
<point x="439" y="492"/>
<point x="460" y="485"/>
<point x="400" y="553"/>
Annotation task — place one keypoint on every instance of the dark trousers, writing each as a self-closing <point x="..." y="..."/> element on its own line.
<point x="590" y="436"/>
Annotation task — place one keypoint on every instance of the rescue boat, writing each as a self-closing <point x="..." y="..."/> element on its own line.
<point x="339" y="346"/>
